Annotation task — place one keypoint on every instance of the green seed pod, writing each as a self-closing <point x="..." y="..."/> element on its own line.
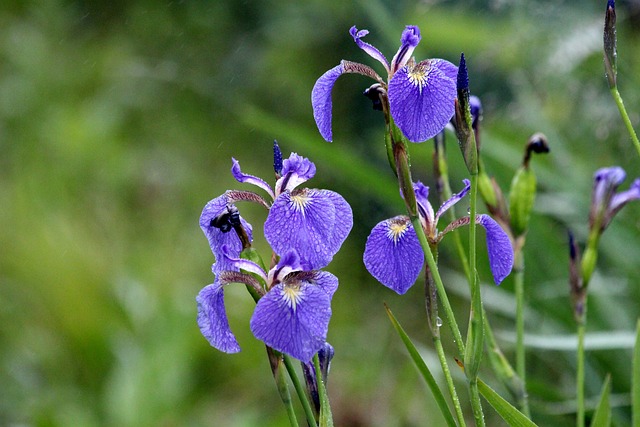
<point x="521" y="198"/>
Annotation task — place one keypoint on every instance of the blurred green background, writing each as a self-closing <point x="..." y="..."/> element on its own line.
<point x="118" y="121"/>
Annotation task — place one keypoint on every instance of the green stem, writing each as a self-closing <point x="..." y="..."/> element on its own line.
<point x="625" y="118"/>
<point x="300" y="390"/>
<point x="449" y="379"/>
<point x="580" y="374"/>
<point x="520" y="350"/>
<point x="275" y="360"/>
<point x="442" y="293"/>
<point x="475" y="402"/>
<point x="475" y="333"/>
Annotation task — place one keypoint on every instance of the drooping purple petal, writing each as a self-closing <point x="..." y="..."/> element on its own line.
<point x="293" y="318"/>
<point x="393" y="254"/>
<point x="243" y="177"/>
<point x="370" y="50"/>
<point x="343" y="220"/>
<point x="421" y="99"/>
<point x="321" y="100"/>
<point x="408" y="42"/>
<point x="304" y="220"/>
<point x="498" y="247"/>
<point x="212" y="319"/>
<point x="295" y="170"/>
<point x="218" y="238"/>
<point x="454" y="199"/>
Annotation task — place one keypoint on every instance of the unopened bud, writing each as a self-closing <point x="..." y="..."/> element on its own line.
<point x="610" y="51"/>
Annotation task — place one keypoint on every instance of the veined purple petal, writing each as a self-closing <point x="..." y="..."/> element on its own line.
<point x="243" y="177"/>
<point x="408" y="42"/>
<point x="212" y="319"/>
<point x="454" y="199"/>
<point x="216" y="237"/>
<point x="424" y="207"/>
<point x="303" y="220"/>
<point x="393" y="254"/>
<point x="289" y="262"/>
<point x="421" y="99"/>
<point x="236" y="263"/>
<point x="295" y="170"/>
<point x="370" y="50"/>
<point x="293" y="318"/>
<point x="498" y="247"/>
<point x="325" y="280"/>
<point x="321" y="100"/>
<point x="343" y="220"/>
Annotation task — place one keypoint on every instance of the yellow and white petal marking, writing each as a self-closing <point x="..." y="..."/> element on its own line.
<point x="300" y="200"/>
<point x="418" y="75"/>
<point x="397" y="228"/>
<point x="292" y="295"/>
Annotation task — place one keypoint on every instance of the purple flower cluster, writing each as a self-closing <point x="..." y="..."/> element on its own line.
<point x="393" y="254"/>
<point x="305" y="228"/>
<point x="420" y="95"/>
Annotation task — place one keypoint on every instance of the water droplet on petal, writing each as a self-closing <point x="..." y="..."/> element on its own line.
<point x="438" y="322"/>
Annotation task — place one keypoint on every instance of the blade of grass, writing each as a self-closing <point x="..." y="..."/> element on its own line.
<point x="602" y="415"/>
<point x="506" y="410"/>
<point x="423" y="369"/>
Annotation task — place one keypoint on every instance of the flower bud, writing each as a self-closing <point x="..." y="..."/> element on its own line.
<point x="610" y="51"/>
<point x="463" y="121"/>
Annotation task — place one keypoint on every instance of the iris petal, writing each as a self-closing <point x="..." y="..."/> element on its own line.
<point x="321" y="100"/>
<point x="212" y="319"/>
<point x="295" y="170"/>
<point x="454" y="199"/>
<point x="369" y="49"/>
<point x="421" y="99"/>
<point x="216" y="237"/>
<point x="393" y="254"/>
<point x="293" y="320"/>
<point x="498" y="247"/>
<point x="243" y="177"/>
<point x="313" y="222"/>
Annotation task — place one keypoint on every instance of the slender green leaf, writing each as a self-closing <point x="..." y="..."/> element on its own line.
<point x="325" y="417"/>
<point x="635" y="383"/>
<point x="602" y="416"/>
<point x="423" y="369"/>
<point x="506" y="410"/>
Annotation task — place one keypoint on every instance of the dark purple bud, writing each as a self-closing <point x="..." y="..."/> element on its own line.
<point x="538" y="144"/>
<point x="463" y="76"/>
<point x="277" y="159"/>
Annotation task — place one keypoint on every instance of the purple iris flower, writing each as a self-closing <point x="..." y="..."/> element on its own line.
<point x="311" y="221"/>
<point x="291" y="317"/>
<point x="305" y="227"/>
<point x="605" y="202"/>
<point x="393" y="254"/>
<point x="421" y="95"/>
